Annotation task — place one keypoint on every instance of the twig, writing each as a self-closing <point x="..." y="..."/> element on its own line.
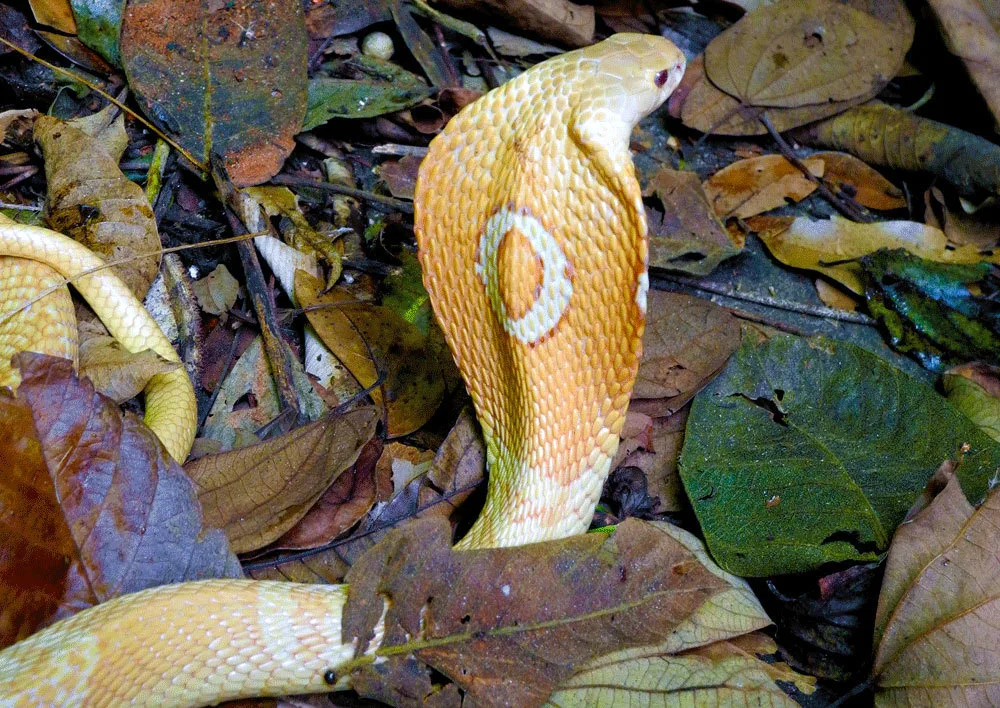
<point x="849" y="208"/>
<point x="397" y="204"/>
<point x="820" y="311"/>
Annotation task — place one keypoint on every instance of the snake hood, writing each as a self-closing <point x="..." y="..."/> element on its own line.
<point x="532" y="240"/>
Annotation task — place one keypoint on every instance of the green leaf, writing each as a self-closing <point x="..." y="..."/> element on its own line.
<point x="808" y="451"/>
<point x="382" y="88"/>
<point x="98" y="23"/>
<point x="940" y="313"/>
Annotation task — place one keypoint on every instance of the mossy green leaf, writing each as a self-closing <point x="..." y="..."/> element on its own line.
<point x="809" y="451"/>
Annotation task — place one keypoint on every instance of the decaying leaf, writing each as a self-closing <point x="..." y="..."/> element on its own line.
<point x="342" y="505"/>
<point x="566" y="602"/>
<point x="758" y="184"/>
<point x="259" y="492"/>
<point x="833" y="246"/>
<point x="702" y="106"/>
<point x="971" y="36"/>
<point x="803" y="52"/>
<point x="381" y="349"/>
<point x="684" y="232"/>
<point x="936" y="624"/>
<point x="241" y="96"/>
<point x="974" y="389"/>
<point x="820" y="430"/>
<point x="110" y="512"/>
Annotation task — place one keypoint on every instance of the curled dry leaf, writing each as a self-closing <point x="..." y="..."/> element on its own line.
<point x="723" y="673"/>
<point x="562" y="603"/>
<point x="381" y="350"/>
<point x="970" y="35"/>
<point x="974" y="389"/>
<point x="106" y="511"/>
<point x="750" y="187"/>
<point x="935" y="630"/>
<point x="684" y="232"/>
<point x="116" y="372"/>
<point x="259" y="492"/>
<point x="803" y="52"/>
<point x="832" y="246"/>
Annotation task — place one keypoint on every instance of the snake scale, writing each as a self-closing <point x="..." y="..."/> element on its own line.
<point x="532" y="238"/>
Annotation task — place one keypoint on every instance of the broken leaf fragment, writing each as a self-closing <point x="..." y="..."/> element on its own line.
<point x="975" y="390"/>
<point x="758" y="184"/>
<point x="814" y="429"/>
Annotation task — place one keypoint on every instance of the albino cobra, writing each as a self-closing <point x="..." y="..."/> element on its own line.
<point x="532" y="238"/>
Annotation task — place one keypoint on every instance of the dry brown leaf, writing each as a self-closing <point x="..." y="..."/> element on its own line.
<point x="833" y="296"/>
<point x="400" y="176"/>
<point x="259" y="492"/>
<point x="970" y="35"/>
<point x="658" y="461"/>
<point x="687" y="341"/>
<point x="861" y="182"/>
<point x="724" y="673"/>
<point x="217" y="291"/>
<point x="81" y="167"/>
<point x="55" y="13"/>
<point x="750" y="187"/>
<point x="566" y="602"/>
<point x="935" y="630"/>
<point x="116" y="372"/>
<point x="343" y="504"/>
<point x="684" y="232"/>
<point x="702" y="106"/>
<point x="831" y="246"/>
<point x="404" y="463"/>
<point x="804" y="52"/>
<point x="979" y="229"/>
<point x="378" y="347"/>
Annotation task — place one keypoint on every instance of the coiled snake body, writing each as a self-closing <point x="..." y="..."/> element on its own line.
<point x="532" y="239"/>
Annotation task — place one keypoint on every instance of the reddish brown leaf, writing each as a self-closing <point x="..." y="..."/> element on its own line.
<point x="259" y="492"/>
<point x="507" y="625"/>
<point x="343" y="504"/>
<point x="131" y="512"/>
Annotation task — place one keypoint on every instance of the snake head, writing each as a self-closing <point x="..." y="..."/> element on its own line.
<point x="638" y="71"/>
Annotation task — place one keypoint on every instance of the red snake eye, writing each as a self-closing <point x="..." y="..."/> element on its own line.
<point x="661" y="78"/>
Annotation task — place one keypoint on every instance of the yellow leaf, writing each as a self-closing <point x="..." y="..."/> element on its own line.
<point x="830" y="246"/>
<point x="116" y="372"/>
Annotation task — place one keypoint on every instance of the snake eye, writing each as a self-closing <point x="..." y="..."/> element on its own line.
<point x="661" y="78"/>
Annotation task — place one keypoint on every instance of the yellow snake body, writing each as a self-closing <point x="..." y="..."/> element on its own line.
<point x="532" y="240"/>
<point x="532" y="237"/>
<point x="171" y="409"/>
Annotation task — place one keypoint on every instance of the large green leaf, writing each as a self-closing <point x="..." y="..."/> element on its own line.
<point x="806" y="451"/>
